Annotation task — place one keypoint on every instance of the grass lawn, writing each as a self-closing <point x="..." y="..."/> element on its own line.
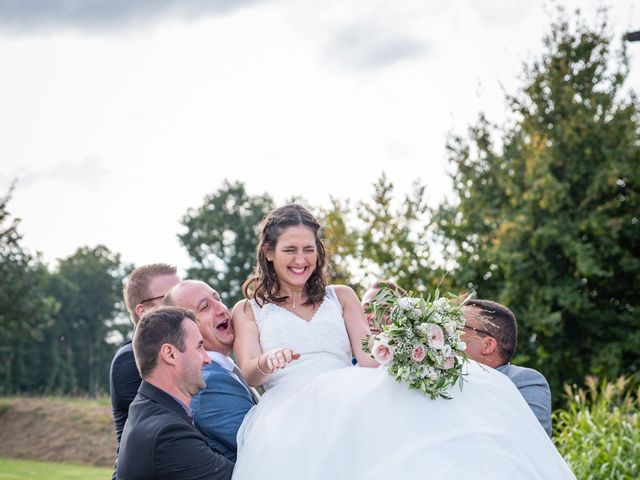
<point x="28" y="469"/>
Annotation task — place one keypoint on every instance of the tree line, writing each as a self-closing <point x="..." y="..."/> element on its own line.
<point x="544" y="218"/>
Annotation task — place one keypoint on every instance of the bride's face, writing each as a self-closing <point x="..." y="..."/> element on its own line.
<point x="294" y="256"/>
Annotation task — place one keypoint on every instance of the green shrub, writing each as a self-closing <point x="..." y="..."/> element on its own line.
<point x="598" y="433"/>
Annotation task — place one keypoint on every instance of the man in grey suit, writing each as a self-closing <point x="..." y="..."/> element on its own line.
<point x="491" y="338"/>
<point x="219" y="408"/>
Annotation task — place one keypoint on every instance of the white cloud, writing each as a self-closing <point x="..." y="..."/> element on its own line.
<point x="114" y="137"/>
<point x="88" y="173"/>
<point x="366" y="46"/>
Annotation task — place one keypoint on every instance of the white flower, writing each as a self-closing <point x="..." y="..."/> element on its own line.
<point x="436" y="317"/>
<point x="404" y="303"/>
<point x="451" y="327"/>
<point x="432" y="373"/>
<point x="422" y="329"/>
<point x="441" y="303"/>
<point x="461" y="346"/>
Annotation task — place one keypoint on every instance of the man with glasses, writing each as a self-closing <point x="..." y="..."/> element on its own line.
<point x="144" y="291"/>
<point x="491" y="338"/>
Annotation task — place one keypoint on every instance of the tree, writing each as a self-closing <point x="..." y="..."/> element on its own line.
<point x="381" y="239"/>
<point x="25" y="309"/>
<point x="88" y="285"/>
<point x="396" y="242"/>
<point x="339" y="240"/>
<point x="222" y="236"/>
<point x="547" y="209"/>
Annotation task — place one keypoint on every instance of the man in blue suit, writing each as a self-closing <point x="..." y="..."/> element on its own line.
<point x="218" y="410"/>
<point x="491" y="338"/>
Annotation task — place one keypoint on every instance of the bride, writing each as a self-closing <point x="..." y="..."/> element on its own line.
<point x="322" y="418"/>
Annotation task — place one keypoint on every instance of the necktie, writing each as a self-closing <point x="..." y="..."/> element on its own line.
<point x="252" y="391"/>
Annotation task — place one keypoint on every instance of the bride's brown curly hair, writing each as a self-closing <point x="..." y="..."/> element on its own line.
<point x="263" y="286"/>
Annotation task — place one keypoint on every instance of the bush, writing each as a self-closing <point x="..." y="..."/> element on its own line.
<point x="598" y="433"/>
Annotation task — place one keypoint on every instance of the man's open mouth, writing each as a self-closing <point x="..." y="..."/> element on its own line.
<point x="223" y="326"/>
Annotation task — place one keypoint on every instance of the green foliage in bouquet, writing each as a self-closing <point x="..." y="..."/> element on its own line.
<point x="419" y="343"/>
<point x="598" y="433"/>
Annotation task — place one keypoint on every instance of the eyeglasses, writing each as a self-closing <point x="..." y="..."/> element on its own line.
<point x="152" y="299"/>
<point x="478" y="330"/>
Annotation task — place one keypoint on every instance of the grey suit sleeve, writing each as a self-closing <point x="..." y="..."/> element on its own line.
<point x="180" y="452"/>
<point x="535" y="390"/>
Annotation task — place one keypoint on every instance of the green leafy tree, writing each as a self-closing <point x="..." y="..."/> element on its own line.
<point x="395" y="242"/>
<point x="88" y="286"/>
<point x="381" y="238"/>
<point x="25" y="308"/>
<point x="339" y="240"/>
<point x="221" y="238"/>
<point x="547" y="209"/>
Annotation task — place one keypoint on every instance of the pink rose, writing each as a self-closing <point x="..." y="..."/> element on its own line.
<point x="435" y="336"/>
<point x="382" y="352"/>
<point x="448" y="363"/>
<point x="418" y="354"/>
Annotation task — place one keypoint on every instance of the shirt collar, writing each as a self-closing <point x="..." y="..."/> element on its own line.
<point x="187" y="408"/>
<point x="223" y="360"/>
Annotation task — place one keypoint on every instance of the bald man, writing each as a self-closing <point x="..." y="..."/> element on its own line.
<point x="220" y="407"/>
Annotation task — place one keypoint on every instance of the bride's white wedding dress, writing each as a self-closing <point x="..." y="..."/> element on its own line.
<point x="322" y="418"/>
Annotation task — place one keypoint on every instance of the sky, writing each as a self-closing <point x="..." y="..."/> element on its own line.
<point x="119" y="116"/>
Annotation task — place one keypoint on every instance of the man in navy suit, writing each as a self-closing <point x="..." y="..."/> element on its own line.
<point x="160" y="441"/>
<point x="146" y="287"/>
<point x="220" y="407"/>
<point x="491" y="338"/>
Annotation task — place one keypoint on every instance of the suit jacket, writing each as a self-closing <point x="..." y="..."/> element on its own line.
<point x="535" y="390"/>
<point x="124" y="380"/>
<point x="159" y="441"/>
<point x="219" y="409"/>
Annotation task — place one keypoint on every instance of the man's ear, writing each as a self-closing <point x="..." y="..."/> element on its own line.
<point x="139" y="310"/>
<point x="168" y="353"/>
<point x="489" y="345"/>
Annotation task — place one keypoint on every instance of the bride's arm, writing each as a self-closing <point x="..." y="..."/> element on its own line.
<point x="255" y="365"/>
<point x="356" y="324"/>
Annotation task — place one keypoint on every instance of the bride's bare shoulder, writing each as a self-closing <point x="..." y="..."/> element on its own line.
<point x="345" y="293"/>
<point x="242" y="311"/>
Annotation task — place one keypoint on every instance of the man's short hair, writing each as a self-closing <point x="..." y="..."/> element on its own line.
<point x="137" y="287"/>
<point x="500" y="322"/>
<point x="157" y="327"/>
<point x="391" y="285"/>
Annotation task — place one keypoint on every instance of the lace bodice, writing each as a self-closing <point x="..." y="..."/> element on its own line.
<point x="322" y="342"/>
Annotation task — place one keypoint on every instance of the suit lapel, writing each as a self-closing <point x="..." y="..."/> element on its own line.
<point x="163" y="398"/>
<point x="255" y="396"/>
<point x="247" y="389"/>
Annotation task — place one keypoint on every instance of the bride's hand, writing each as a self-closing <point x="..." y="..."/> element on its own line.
<point x="277" y="358"/>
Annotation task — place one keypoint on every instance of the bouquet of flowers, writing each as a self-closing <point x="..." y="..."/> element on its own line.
<point x="420" y="343"/>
